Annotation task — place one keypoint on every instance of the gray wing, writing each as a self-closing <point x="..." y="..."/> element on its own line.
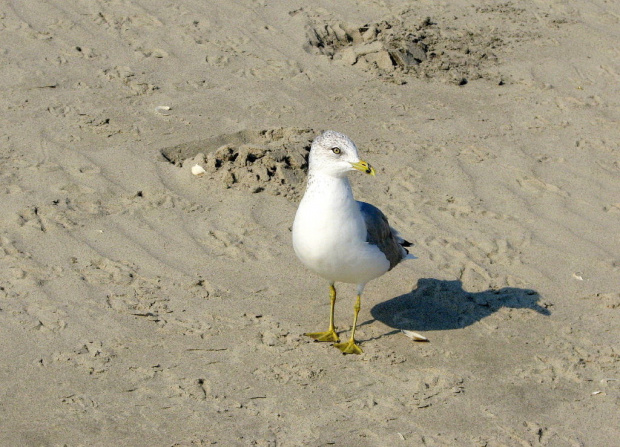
<point x="379" y="233"/>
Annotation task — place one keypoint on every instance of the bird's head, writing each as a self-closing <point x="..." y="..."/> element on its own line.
<point x="333" y="153"/>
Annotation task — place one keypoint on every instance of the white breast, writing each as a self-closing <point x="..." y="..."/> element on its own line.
<point x="329" y="234"/>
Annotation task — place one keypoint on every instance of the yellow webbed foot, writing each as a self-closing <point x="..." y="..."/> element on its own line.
<point x="349" y="347"/>
<point x="328" y="335"/>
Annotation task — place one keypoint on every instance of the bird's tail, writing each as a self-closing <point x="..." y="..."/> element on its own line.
<point x="404" y="243"/>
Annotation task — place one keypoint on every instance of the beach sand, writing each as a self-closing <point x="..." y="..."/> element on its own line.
<point x="142" y="305"/>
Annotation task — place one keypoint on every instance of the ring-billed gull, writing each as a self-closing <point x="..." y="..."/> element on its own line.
<point x="337" y="237"/>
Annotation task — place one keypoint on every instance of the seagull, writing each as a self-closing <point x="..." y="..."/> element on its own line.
<point x="337" y="237"/>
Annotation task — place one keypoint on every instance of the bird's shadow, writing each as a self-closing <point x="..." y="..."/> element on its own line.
<point x="441" y="305"/>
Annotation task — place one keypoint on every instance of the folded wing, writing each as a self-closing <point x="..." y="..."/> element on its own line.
<point x="386" y="238"/>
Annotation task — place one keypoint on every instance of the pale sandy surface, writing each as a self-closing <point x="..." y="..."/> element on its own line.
<point x="143" y="306"/>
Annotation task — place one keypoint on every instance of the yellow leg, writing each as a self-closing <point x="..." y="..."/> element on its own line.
<point x="350" y="347"/>
<point x="329" y="334"/>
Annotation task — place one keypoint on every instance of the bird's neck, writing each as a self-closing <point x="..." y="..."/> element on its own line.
<point x="326" y="187"/>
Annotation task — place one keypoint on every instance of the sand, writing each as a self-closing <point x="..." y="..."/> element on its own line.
<point x="142" y="305"/>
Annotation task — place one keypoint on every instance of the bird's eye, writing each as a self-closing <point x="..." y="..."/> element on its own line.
<point x="336" y="150"/>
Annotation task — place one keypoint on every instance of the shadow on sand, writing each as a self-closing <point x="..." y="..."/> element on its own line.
<point x="440" y="305"/>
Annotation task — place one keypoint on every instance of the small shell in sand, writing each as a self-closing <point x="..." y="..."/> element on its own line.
<point x="163" y="110"/>
<point x="198" y="170"/>
<point x="414" y="335"/>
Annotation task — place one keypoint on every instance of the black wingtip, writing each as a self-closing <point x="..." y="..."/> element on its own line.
<point x="405" y="243"/>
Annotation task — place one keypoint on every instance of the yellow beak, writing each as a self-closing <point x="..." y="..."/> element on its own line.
<point x="364" y="167"/>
